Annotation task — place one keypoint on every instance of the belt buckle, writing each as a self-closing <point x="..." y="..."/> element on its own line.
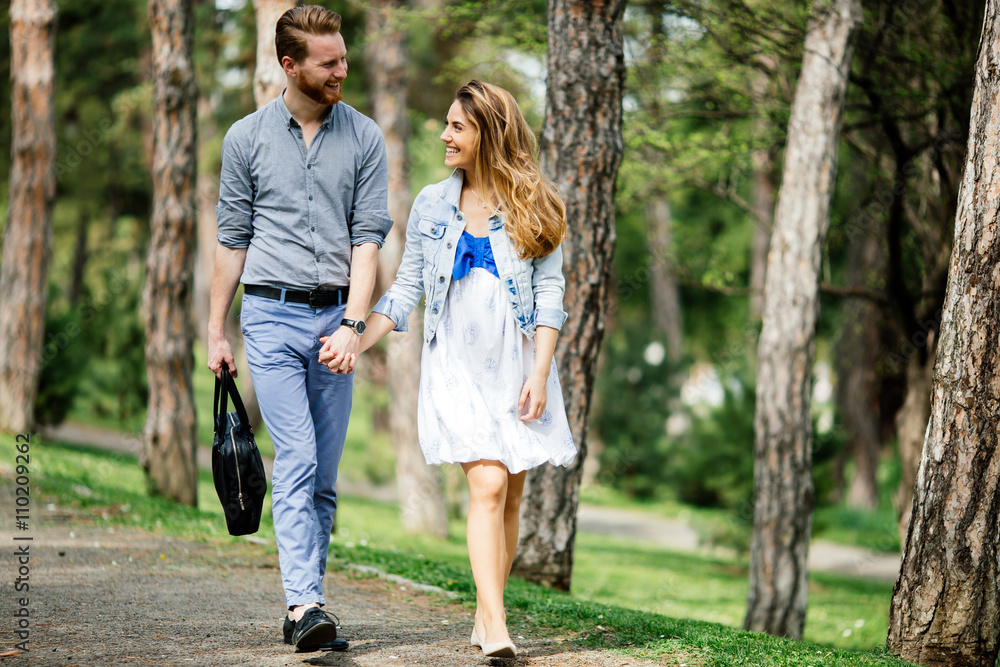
<point x="311" y="303"/>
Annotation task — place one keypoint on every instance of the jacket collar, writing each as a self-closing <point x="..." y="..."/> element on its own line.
<point x="453" y="188"/>
<point x="452" y="194"/>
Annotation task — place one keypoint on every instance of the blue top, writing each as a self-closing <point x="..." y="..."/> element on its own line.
<point x="299" y="210"/>
<point x="471" y="252"/>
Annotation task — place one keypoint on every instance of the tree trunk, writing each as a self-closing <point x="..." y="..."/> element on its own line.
<point x="857" y="354"/>
<point x="169" y="436"/>
<point x="24" y="267"/>
<point x="783" y="500"/>
<point x="946" y="603"/>
<point x="268" y="77"/>
<point x="764" y="187"/>
<point x="763" y="204"/>
<point x="911" y="428"/>
<point x="665" y="295"/>
<point x="207" y="198"/>
<point x="581" y="149"/>
<point x="421" y="497"/>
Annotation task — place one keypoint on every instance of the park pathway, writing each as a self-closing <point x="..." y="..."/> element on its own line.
<point x="105" y="596"/>
<point x="675" y="534"/>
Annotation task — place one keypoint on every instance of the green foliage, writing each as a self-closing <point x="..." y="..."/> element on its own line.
<point x="630" y="396"/>
<point x="63" y="366"/>
<point x="116" y="382"/>
<point x="712" y="461"/>
<point x="103" y="337"/>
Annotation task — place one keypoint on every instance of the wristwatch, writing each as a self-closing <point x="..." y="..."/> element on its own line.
<point x="357" y="325"/>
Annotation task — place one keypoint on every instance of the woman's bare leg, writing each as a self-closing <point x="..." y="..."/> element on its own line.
<point x="511" y="524"/>
<point x="512" y="516"/>
<point x="487" y="541"/>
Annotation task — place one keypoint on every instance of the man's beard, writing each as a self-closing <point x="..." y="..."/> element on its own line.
<point x="319" y="93"/>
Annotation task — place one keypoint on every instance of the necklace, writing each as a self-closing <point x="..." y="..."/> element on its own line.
<point x="481" y="202"/>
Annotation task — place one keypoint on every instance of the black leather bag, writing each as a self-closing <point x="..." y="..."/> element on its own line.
<point x="237" y="468"/>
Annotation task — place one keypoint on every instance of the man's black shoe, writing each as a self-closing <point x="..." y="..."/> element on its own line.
<point x="315" y="632"/>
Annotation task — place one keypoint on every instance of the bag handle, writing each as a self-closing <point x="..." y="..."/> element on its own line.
<point x="225" y="387"/>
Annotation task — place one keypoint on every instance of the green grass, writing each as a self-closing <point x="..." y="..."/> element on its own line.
<point x="618" y="584"/>
<point x="872" y="530"/>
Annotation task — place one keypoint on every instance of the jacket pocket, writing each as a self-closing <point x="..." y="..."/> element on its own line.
<point x="431" y="228"/>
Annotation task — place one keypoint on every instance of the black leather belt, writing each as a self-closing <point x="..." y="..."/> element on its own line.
<point x="315" y="299"/>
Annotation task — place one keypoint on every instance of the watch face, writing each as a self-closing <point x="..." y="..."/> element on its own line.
<point x="359" y="326"/>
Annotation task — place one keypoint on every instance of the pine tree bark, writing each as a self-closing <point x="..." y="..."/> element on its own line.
<point x="581" y="149"/>
<point x="268" y="77"/>
<point x="946" y="603"/>
<point x="763" y="204"/>
<point x="783" y="497"/>
<point x="169" y="436"/>
<point x="665" y="294"/>
<point x="24" y="267"/>
<point x="421" y="496"/>
<point x="764" y="188"/>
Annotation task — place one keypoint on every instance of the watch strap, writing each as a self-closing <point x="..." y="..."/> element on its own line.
<point x="353" y="324"/>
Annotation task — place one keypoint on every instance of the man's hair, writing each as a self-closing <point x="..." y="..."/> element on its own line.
<point x="296" y="23"/>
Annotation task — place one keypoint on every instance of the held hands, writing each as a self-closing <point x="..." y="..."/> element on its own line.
<point x="345" y="342"/>
<point x="340" y="350"/>
<point x="533" y="395"/>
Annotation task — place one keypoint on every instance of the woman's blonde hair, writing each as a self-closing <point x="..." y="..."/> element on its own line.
<point x="505" y="166"/>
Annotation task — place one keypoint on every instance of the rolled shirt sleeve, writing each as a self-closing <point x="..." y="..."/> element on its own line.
<point x="234" y="210"/>
<point x="548" y="287"/>
<point x="369" y="219"/>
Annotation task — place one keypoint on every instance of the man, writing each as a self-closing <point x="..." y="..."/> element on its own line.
<point x="302" y="213"/>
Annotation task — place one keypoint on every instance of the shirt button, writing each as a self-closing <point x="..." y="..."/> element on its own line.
<point x="309" y="166"/>
<point x="310" y="197"/>
<point x="440" y="279"/>
<point x="448" y="244"/>
<point x="435" y="311"/>
<point x="313" y="229"/>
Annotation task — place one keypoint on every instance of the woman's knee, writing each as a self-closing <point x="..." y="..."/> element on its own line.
<point x="488" y="490"/>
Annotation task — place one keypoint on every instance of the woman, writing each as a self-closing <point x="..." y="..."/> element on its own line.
<point x="484" y="247"/>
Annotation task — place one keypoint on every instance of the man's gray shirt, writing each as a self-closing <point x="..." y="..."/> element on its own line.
<point x="300" y="212"/>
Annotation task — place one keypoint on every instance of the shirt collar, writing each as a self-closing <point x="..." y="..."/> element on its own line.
<point x="290" y="121"/>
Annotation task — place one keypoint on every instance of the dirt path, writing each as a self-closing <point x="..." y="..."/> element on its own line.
<point x="675" y="534"/>
<point x="103" y="596"/>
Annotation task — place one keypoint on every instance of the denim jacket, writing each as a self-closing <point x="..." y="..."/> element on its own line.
<point x="534" y="286"/>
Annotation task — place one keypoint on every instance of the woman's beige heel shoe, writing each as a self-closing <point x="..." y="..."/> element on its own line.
<point x="500" y="650"/>
<point x="474" y="639"/>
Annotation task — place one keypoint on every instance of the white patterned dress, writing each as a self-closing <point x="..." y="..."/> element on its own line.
<point x="471" y="375"/>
